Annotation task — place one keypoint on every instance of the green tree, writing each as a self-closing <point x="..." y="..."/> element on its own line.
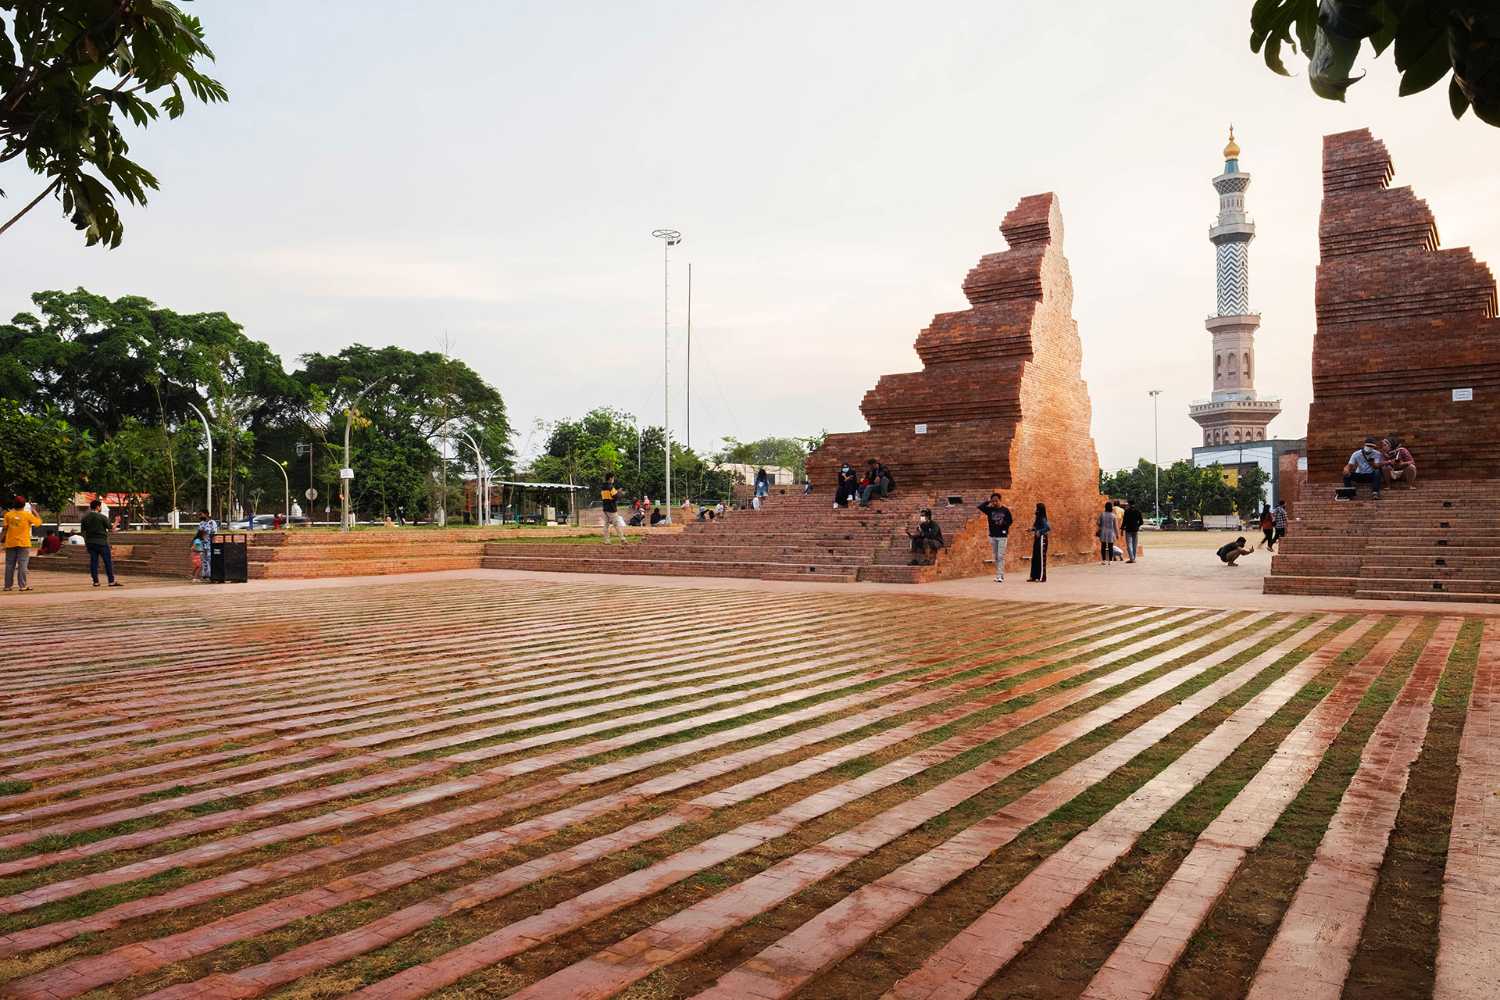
<point x="1250" y="491"/>
<point x="787" y="452"/>
<point x="41" y="457"/>
<point x="1430" y="39"/>
<point x="70" y="70"/>
<point x="604" y="440"/>
<point x="1138" y="485"/>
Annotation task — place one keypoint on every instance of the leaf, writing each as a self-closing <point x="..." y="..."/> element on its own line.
<point x="1433" y="65"/>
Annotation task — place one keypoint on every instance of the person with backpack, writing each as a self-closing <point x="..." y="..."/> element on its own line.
<point x="1000" y="521"/>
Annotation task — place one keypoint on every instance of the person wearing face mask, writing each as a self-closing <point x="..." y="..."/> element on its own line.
<point x="926" y="539"/>
<point x="1364" y="467"/>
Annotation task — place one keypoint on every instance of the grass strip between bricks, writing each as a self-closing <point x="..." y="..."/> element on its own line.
<point x="1228" y="947"/>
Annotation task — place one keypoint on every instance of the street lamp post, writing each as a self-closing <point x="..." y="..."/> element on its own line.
<point x="670" y="238"/>
<point x="208" y="439"/>
<point x="346" y="472"/>
<point x="1156" y="452"/>
<point x="687" y="433"/>
<point x="481" y="472"/>
<point x="286" y="484"/>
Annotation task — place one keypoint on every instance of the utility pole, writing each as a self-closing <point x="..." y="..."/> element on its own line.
<point x="1156" y="451"/>
<point x="208" y="438"/>
<point x="688" y="416"/>
<point x="287" y="487"/>
<point x="670" y="238"/>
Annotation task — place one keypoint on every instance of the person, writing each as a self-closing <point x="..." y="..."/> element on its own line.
<point x="52" y="543"/>
<point x="96" y="537"/>
<point x="1278" y="516"/>
<point x="1231" y="551"/>
<point x="1398" y="462"/>
<point x="926" y="539"/>
<point x="762" y="486"/>
<point x="847" y="486"/>
<point x="609" y="497"/>
<point x="1268" y="530"/>
<point x="1364" y="467"/>
<point x="210" y="528"/>
<point x="18" y="522"/>
<point x="1040" y="529"/>
<point x="1131" y="523"/>
<point x="657" y="517"/>
<point x="1106" y="533"/>
<point x="199" y="554"/>
<point x="296" y="509"/>
<point x="637" y="514"/>
<point x="74" y="538"/>
<point x="276" y="521"/>
<point x="1000" y="520"/>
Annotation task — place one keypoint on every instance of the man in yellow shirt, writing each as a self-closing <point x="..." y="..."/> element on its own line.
<point x="610" y="497"/>
<point x="18" y="522"/>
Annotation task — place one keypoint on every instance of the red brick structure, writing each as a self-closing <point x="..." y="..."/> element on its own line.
<point x="1000" y="402"/>
<point x="1402" y="327"/>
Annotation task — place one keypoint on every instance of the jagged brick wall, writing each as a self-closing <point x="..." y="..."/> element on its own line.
<point x="1401" y="324"/>
<point x="1001" y="394"/>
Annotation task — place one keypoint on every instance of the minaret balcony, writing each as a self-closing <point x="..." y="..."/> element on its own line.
<point x="1232" y="232"/>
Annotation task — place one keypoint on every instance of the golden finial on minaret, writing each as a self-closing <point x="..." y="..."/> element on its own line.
<point x="1232" y="151"/>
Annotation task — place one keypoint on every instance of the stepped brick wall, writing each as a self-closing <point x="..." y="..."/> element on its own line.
<point x="1001" y="395"/>
<point x="1400" y="325"/>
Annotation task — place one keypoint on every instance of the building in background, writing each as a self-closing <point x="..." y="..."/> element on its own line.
<point x="1234" y="417"/>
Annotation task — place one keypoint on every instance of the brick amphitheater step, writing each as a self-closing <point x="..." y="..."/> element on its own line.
<point x="792" y="537"/>
<point x="1437" y="542"/>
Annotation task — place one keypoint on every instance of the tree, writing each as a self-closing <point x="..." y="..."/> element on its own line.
<point x="1250" y="491"/>
<point x="69" y="69"/>
<point x="1431" y="40"/>
<point x="787" y="452"/>
<point x="604" y="440"/>
<point x="41" y="457"/>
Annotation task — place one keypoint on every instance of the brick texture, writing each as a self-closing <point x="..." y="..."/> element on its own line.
<point x="1001" y="396"/>
<point x="1400" y="324"/>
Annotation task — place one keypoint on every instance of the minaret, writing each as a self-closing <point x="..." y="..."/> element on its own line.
<point x="1234" y="413"/>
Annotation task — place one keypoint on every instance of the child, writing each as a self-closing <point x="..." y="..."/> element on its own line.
<point x="200" y="546"/>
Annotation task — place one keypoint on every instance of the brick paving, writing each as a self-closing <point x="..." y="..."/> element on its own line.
<point x="402" y="791"/>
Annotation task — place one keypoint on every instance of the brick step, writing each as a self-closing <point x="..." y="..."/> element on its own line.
<point x="893" y="574"/>
<point x="308" y="569"/>
<point x="352" y="551"/>
<point x="1316" y="564"/>
<point x="1424" y="585"/>
<point x="1435" y="595"/>
<point x="1311" y="585"/>
<point x="671" y="567"/>
<point x="702" y="553"/>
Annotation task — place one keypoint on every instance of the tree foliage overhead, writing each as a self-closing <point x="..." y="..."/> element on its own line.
<point x="1430" y="40"/>
<point x="70" y="70"/>
<point x="787" y="452"/>
<point x="41" y="458"/>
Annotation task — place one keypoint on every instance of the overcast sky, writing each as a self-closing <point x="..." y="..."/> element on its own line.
<point x="390" y="172"/>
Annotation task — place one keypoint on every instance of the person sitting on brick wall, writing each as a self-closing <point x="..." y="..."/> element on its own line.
<point x="847" y="488"/>
<point x="877" y="482"/>
<point x="1230" y="552"/>
<point x="1364" y="467"/>
<point x="1398" y="464"/>
<point x="926" y="539"/>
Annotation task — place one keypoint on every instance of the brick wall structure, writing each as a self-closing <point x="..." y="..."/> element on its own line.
<point x="1401" y="324"/>
<point x="1000" y="399"/>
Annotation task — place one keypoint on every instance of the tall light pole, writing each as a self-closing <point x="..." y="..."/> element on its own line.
<point x="481" y="471"/>
<point x="346" y="472"/>
<point x="208" y="439"/>
<point x="286" y="483"/>
<point x="688" y="407"/>
<point x="670" y="238"/>
<point x="1156" y="451"/>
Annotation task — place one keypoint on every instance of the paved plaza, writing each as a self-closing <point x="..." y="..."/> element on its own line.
<point x="490" y="786"/>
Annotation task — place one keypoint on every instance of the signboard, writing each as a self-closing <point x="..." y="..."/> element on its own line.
<point x="311" y="493"/>
<point x="1302" y="464"/>
<point x="1463" y="395"/>
<point x="346" y="473"/>
<point x="921" y="428"/>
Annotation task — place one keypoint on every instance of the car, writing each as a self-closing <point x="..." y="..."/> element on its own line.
<point x="266" y="522"/>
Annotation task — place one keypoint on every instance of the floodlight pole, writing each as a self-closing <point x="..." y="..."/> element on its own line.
<point x="1156" y="451"/>
<point x="287" y="487"/>
<point x="688" y="368"/>
<point x="670" y="238"/>
<point x="208" y="439"/>
<point x="343" y="478"/>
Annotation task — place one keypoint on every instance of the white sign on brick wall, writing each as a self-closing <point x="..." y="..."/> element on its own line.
<point x="921" y="428"/>
<point x="1463" y="395"/>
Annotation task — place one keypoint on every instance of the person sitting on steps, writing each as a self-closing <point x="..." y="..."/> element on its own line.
<point x="1398" y="464"/>
<point x="1364" y="467"/>
<point x="878" y="483"/>
<point x="1230" y="552"/>
<point x="848" y="486"/>
<point x="926" y="539"/>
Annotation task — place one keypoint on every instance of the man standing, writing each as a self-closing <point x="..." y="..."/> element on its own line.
<point x="1278" y="517"/>
<point x="18" y="522"/>
<point x="1132" y="525"/>
<point x="210" y="528"/>
<point x="609" y="496"/>
<point x="1000" y="521"/>
<point x="95" y="528"/>
<point x="1364" y="466"/>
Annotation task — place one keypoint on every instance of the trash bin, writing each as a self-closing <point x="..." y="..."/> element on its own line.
<point x="230" y="559"/>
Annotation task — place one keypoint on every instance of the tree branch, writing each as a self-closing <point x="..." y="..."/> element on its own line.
<point x="32" y="204"/>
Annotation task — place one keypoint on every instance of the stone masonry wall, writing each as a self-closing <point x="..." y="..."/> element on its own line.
<point x="1400" y="325"/>
<point x="1001" y="396"/>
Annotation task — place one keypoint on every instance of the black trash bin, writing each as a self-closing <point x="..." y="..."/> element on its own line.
<point x="229" y="560"/>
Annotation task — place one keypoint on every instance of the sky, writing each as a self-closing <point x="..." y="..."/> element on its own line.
<point x="489" y="173"/>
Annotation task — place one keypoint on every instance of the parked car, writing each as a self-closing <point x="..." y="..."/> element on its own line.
<point x="265" y="522"/>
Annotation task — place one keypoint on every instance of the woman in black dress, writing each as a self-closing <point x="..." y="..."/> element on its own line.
<point x="1040" y="529"/>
